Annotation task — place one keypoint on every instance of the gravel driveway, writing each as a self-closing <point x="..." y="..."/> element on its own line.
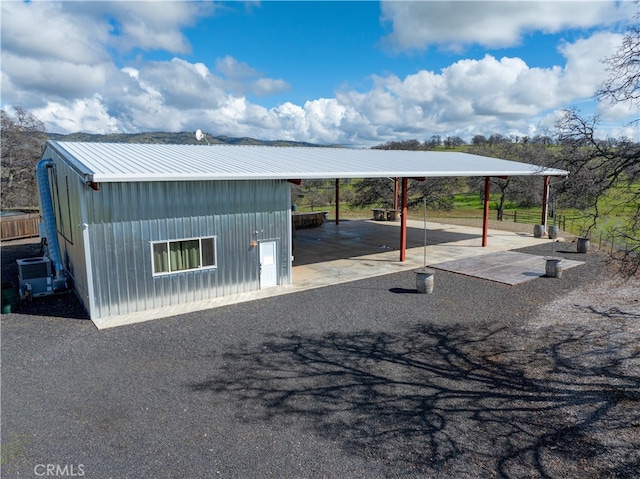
<point x="362" y="380"/>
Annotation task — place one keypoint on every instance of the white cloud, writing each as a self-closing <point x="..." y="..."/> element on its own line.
<point x="618" y="111"/>
<point x="241" y="79"/>
<point x="291" y="120"/>
<point x="484" y="96"/>
<point x="455" y="24"/>
<point x="81" y="32"/>
<point x="54" y="78"/>
<point x="235" y="70"/>
<point x="79" y="88"/>
<point x="266" y="86"/>
<point x="155" y="27"/>
<point x="629" y="131"/>
<point x="60" y="50"/>
<point x="88" y="115"/>
<point x="47" y="31"/>
<point x="181" y="84"/>
<point x="468" y="97"/>
<point x="584" y="70"/>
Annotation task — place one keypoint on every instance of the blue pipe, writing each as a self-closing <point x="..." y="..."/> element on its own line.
<point x="46" y="201"/>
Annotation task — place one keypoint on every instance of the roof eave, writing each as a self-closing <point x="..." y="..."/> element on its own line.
<point x="103" y="178"/>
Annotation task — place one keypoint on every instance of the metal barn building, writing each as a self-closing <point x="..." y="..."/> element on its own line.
<point x="139" y="227"/>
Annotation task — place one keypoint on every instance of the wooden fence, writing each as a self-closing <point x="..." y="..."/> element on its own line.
<point x="560" y="221"/>
<point x="19" y="226"/>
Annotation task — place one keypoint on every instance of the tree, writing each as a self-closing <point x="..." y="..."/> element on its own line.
<point x="434" y="142"/>
<point x="400" y="145"/>
<point x="597" y="167"/>
<point x="439" y="193"/>
<point x="373" y="192"/>
<point x="23" y="139"/>
<point x="478" y="140"/>
<point x="545" y="140"/>
<point x="524" y="191"/>
<point x="611" y="164"/>
<point x="453" y="141"/>
<point x="317" y="193"/>
<point x="497" y="139"/>
<point x="380" y="191"/>
<point x="623" y="82"/>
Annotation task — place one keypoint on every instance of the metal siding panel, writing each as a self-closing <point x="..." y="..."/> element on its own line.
<point x="129" y="216"/>
<point x="72" y="248"/>
<point x="97" y="253"/>
<point x="118" y="299"/>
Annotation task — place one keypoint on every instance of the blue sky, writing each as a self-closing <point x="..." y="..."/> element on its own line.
<point x="353" y="73"/>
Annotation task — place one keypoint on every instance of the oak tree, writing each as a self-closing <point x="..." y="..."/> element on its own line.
<point x="23" y="139"/>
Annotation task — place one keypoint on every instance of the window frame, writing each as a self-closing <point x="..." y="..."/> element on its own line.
<point x="168" y="243"/>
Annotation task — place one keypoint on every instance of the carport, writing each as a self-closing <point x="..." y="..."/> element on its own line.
<point x="403" y="166"/>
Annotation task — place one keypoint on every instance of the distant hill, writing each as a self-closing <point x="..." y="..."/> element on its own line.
<point x="180" y="138"/>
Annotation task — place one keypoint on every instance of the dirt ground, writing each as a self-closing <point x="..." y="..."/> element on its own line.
<point x="478" y="380"/>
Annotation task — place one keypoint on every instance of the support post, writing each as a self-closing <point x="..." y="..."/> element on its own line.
<point x="485" y="219"/>
<point x="545" y="204"/>
<point x="337" y="201"/>
<point x="403" y="222"/>
<point x="395" y="193"/>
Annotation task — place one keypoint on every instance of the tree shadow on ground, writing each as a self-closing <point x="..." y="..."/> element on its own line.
<point x="451" y="402"/>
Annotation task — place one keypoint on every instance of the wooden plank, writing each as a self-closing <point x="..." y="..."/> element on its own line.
<point x="19" y="226"/>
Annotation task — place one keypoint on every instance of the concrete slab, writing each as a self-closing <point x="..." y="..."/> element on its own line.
<point x="507" y="267"/>
<point x="334" y="253"/>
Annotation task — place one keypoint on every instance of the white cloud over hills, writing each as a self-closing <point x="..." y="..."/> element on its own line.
<point x="68" y="73"/>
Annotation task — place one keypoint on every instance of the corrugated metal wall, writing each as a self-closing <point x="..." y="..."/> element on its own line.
<point x="124" y="218"/>
<point x="67" y="189"/>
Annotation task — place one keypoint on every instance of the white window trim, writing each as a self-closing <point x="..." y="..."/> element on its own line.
<point x="199" y="268"/>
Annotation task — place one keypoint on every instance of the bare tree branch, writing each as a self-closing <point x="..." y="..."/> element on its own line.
<point x="623" y="82"/>
<point x="23" y="138"/>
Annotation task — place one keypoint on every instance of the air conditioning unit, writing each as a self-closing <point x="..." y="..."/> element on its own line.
<point x="35" y="277"/>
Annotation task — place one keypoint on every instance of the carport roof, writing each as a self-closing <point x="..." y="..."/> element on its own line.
<point x="131" y="162"/>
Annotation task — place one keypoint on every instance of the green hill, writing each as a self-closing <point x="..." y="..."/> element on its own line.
<point x="176" y="138"/>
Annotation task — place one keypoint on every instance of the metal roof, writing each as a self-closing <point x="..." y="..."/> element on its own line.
<point x="129" y="162"/>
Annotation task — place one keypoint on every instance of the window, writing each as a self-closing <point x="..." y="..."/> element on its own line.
<point x="183" y="255"/>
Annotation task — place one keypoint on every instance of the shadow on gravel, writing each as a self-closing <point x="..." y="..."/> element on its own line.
<point x="451" y="402"/>
<point x="403" y="291"/>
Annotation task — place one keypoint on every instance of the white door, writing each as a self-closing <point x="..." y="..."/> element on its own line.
<point x="268" y="264"/>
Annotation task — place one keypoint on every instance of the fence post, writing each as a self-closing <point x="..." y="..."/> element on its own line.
<point x="515" y="216"/>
